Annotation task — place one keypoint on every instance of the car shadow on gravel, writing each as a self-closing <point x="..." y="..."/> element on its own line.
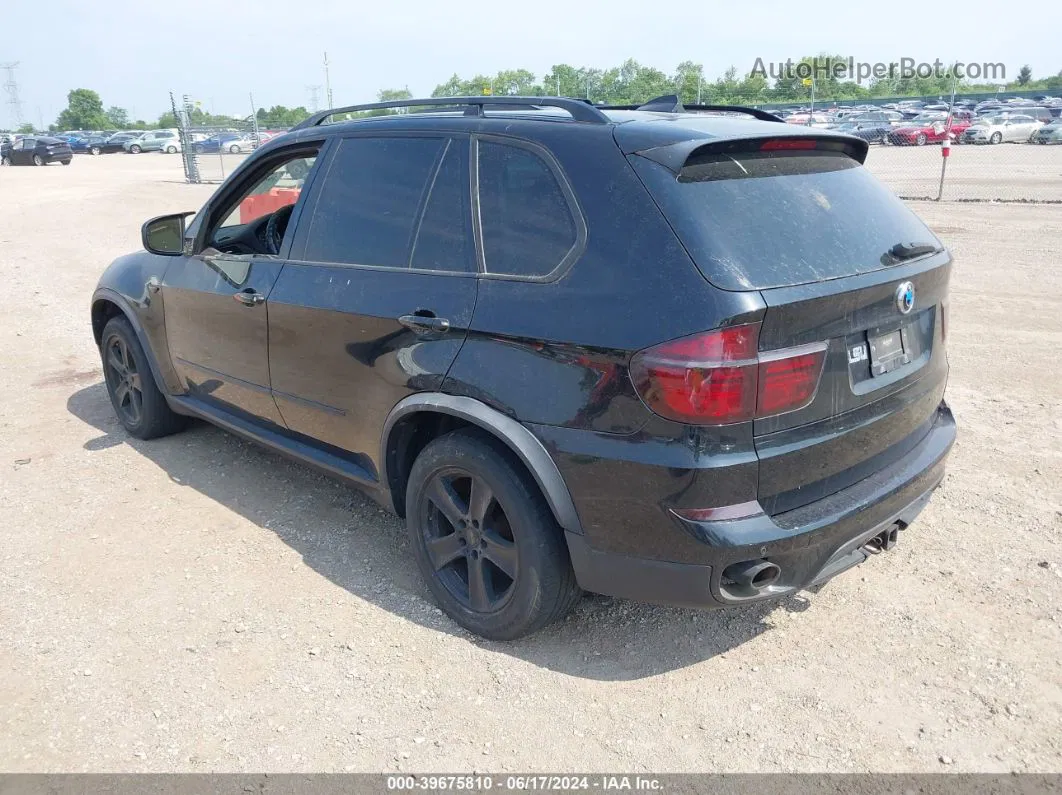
<point x="347" y="538"/>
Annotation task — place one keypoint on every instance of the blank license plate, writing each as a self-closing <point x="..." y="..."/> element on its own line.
<point x="886" y="352"/>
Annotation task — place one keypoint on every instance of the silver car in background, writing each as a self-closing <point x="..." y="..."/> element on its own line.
<point x="997" y="129"/>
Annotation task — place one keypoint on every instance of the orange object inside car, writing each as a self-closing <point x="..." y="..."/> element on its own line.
<point x="265" y="203"/>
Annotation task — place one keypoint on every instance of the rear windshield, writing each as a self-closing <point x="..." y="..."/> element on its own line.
<point x="755" y="220"/>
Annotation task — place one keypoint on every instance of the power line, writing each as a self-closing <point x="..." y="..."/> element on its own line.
<point x="11" y="89"/>
<point x="314" y="104"/>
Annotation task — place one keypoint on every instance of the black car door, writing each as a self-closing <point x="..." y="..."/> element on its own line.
<point x="22" y="152"/>
<point x="377" y="298"/>
<point x="216" y="300"/>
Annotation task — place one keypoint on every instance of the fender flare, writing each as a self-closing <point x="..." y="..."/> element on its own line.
<point x="123" y="304"/>
<point x="518" y="438"/>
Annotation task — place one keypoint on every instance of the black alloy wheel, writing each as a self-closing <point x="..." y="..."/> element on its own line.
<point x="469" y="541"/>
<point x="123" y="380"/>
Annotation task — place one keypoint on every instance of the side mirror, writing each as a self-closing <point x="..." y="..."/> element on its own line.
<point x="165" y="234"/>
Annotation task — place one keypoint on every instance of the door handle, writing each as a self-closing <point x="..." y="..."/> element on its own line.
<point x="248" y="297"/>
<point x="425" y="324"/>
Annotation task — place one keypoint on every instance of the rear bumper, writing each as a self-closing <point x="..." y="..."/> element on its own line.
<point x="810" y="544"/>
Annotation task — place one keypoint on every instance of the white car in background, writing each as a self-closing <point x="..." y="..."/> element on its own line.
<point x="997" y="129"/>
<point x="174" y="146"/>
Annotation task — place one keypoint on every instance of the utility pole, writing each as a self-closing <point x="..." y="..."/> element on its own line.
<point x="558" y="86"/>
<point x="314" y="104"/>
<point x="11" y="89"/>
<point x="700" y="81"/>
<point x="328" y="83"/>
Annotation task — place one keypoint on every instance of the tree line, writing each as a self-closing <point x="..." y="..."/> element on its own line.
<point x="629" y="83"/>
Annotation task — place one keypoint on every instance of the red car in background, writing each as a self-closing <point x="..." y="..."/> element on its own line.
<point x="930" y="128"/>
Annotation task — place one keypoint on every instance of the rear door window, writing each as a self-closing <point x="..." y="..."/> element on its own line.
<point x="390" y="202"/>
<point x="528" y="223"/>
<point x="757" y="219"/>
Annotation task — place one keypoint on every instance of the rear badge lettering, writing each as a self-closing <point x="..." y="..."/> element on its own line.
<point x="857" y="354"/>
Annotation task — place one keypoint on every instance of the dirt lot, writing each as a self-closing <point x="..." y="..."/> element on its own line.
<point x="198" y="604"/>
<point x="1012" y="172"/>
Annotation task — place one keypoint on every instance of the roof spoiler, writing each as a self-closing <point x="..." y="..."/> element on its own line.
<point x="580" y="110"/>
<point x="670" y="103"/>
<point x="674" y="156"/>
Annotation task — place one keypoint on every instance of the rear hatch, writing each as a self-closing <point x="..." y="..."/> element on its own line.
<point x="840" y="262"/>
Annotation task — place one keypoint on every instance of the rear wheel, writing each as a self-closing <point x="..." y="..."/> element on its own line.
<point x="140" y="406"/>
<point x="38" y="160"/>
<point x="485" y="541"/>
<point x="921" y="139"/>
<point x="235" y="149"/>
<point x="5" y="161"/>
<point x="171" y="149"/>
<point x="95" y="150"/>
<point x="996" y="138"/>
<point x="65" y="162"/>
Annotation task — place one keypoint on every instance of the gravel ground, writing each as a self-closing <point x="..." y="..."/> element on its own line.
<point x="1011" y="172"/>
<point x="198" y="604"/>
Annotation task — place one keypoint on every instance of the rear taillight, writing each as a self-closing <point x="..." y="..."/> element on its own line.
<point x="718" y="378"/>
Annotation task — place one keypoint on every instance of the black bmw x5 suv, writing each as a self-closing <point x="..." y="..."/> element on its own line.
<point x="684" y="355"/>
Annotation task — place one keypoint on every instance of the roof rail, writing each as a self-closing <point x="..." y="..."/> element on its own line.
<point x="670" y="103"/>
<point x="579" y="109"/>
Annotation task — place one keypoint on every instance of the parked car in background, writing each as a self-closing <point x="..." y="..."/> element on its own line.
<point x="999" y="129"/>
<point x="152" y="141"/>
<point x="891" y="117"/>
<point x="37" y="151"/>
<point x="94" y="145"/>
<point x="871" y="132"/>
<point x="226" y="142"/>
<point x="1049" y="133"/>
<point x="927" y="128"/>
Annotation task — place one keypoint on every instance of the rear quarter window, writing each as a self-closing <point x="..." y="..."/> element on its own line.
<point x="528" y="224"/>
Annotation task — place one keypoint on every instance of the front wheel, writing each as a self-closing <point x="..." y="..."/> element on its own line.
<point x="134" y="149"/>
<point x="171" y="150"/>
<point x="95" y="150"/>
<point x="921" y="139"/>
<point x="198" y="149"/>
<point x="5" y="161"/>
<point x="996" y="138"/>
<point x="38" y="160"/>
<point x="485" y="540"/>
<point x="65" y="162"/>
<point x="235" y="149"/>
<point x="140" y="406"/>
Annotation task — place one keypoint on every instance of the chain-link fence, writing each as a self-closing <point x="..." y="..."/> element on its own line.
<point x="1002" y="147"/>
<point x="209" y="153"/>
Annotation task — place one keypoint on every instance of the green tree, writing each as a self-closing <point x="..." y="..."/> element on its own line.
<point x="84" y="111"/>
<point x="1024" y="75"/>
<point x="25" y="129"/>
<point x="118" y="117"/>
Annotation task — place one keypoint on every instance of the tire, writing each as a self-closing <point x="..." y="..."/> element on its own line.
<point x="234" y="149"/>
<point x="996" y="138"/>
<point x="65" y="162"/>
<point x="515" y="527"/>
<point x="6" y="161"/>
<point x="198" y="149"/>
<point x="147" y="416"/>
<point x="38" y="160"/>
<point x="171" y="149"/>
<point x="95" y="150"/>
<point x="135" y="149"/>
<point x="921" y="139"/>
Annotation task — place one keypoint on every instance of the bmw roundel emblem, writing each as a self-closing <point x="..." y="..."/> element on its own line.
<point x="905" y="297"/>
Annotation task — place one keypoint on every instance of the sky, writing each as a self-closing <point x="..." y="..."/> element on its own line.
<point x="220" y="52"/>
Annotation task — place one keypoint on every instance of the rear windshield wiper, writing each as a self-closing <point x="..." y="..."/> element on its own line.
<point x="905" y="251"/>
